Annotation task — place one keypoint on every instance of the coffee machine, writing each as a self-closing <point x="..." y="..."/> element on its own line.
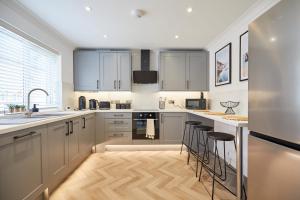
<point x="82" y="103"/>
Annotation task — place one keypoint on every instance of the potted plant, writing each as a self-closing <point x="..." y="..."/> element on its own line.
<point x="11" y="108"/>
<point x="22" y="108"/>
<point x="17" y="108"/>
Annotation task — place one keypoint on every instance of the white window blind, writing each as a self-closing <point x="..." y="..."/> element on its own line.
<point x="23" y="66"/>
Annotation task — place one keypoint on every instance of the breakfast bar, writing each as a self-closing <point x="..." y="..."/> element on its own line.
<point x="239" y="126"/>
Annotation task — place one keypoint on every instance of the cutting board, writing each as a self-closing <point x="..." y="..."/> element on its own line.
<point x="236" y="117"/>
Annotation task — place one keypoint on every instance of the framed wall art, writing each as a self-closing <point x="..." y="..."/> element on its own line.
<point x="244" y="56"/>
<point x="223" y="66"/>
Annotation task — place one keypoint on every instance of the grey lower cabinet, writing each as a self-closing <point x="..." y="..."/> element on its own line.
<point x="183" y="71"/>
<point x="86" y="70"/>
<point x="57" y="151"/>
<point x="87" y="134"/>
<point x="115" y="68"/>
<point x="64" y="142"/>
<point x="117" y="128"/>
<point x="23" y="164"/>
<point x="171" y="127"/>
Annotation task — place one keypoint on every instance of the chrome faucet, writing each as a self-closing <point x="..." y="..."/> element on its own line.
<point x="29" y="112"/>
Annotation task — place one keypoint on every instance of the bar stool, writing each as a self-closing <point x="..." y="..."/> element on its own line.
<point x="188" y="125"/>
<point x="200" y="130"/>
<point x="221" y="137"/>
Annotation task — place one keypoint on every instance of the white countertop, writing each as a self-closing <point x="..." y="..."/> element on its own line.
<point x="71" y="114"/>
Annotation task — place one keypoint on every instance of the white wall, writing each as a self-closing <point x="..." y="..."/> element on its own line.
<point x="236" y="91"/>
<point x="21" y="19"/>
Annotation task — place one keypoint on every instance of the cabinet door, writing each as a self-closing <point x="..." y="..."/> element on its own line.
<point x="172" y="127"/>
<point x="86" y="70"/>
<point x="87" y="134"/>
<point x="124" y="71"/>
<point x="57" y="140"/>
<point x="173" y="71"/>
<point x="74" y="140"/>
<point x="197" y="76"/>
<point x="109" y="71"/>
<point x="22" y="165"/>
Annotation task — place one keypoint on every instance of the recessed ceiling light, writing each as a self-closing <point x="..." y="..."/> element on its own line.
<point x="176" y="36"/>
<point x="105" y="36"/>
<point x="189" y="9"/>
<point x="272" y="39"/>
<point x="88" y="8"/>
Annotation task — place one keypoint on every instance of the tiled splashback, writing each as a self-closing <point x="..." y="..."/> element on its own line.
<point x="142" y="97"/>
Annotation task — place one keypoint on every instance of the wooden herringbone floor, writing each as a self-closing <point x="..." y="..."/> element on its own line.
<point x="151" y="175"/>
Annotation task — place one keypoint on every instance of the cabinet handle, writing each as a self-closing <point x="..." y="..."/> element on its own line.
<point x="118" y="122"/>
<point x="83" y="122"/>
<point x="119" y="84"/>
<point x="161" y="119"/>
<point x="115" y="84"/>
<point x="25" y="135"/>
<point x="68" y="128"/>
<point x="71" y="123"/>
<point x="120" y="115"/>
<point x="188" y="84"/>
<point x="162" y="84"/>
<point x="97" y="84"/>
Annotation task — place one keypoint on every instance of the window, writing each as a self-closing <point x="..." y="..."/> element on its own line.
<point x="25" y="65"/>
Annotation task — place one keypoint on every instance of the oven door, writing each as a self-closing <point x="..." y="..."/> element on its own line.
<point x="139" y="129"/>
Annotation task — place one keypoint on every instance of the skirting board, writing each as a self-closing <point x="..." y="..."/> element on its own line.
<point x="143" y="147"/>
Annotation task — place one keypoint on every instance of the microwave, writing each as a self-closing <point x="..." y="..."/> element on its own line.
<point x="195" y="104"/>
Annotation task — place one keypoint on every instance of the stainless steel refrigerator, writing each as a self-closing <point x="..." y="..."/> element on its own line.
<point x="274" y="104"/>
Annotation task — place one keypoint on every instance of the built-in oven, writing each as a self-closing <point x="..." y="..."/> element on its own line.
<point x="139" y="124"/>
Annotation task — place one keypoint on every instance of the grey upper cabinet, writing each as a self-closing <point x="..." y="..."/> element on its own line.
<point x="172" y="71"/>
<point x="86" y="70"/>
<point x="109" y="71"/>
<point x="22" y="164"/>
<point x="183" y="71"/>
<point x="124" y="71"/>
<point x="96" y="70"/>
<point x="172" y="127"/>
<point x="197" y="75"/>
<point x="115" y="71"/>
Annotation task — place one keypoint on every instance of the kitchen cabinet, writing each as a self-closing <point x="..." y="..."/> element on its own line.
<point x="118" y="128"/>
<point x="197" y="71"/>
<point x="171" y="127"/>
<point x="63" y="149"/>
<point x="86" y="70"/>
<point x="172" y="71"/>
<point x="22" y="164"/>
<point x="115" y="68"/>
<point x="87" y="134"/>
<point x="74" y="131"/>
<point x="183" y="71"/>
<point x="57" y="151"/>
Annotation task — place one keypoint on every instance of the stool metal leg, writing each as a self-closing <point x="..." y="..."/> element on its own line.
<point x="183" y="137"/>
<point x="202" y="163"/>
<point x="190" y="145"/>
<point x="198" y="150"/>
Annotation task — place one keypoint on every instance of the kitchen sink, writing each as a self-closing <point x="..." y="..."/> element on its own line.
<point x="22" y="119"/>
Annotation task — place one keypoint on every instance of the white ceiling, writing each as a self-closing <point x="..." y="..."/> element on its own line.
<point x="163" y="20"/>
